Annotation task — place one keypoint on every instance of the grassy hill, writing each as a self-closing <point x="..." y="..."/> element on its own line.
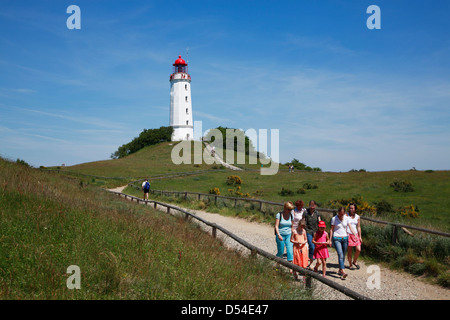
<point x="49" y="222"/>
<point x="155" y="159"/>
<point x="152" y="160"/>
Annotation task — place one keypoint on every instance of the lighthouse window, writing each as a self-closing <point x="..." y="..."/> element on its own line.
<point x="185" y="87"/>
<point x="187" y="110"/>
<point x="187" y="122"/>
<point x="186" y="99"/>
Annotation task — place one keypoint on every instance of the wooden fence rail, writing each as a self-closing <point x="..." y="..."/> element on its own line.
<point x="254" y="250"/>
<point x="396" y="226"/>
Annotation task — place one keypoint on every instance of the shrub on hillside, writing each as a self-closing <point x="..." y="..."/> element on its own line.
<point x="402" y="186"/>
<point x="234" y="180"/>
<point x="238" y="193"/>
<point x="234" y="139"/>
<point x="308" y="185"/>
<point x="301" y="166"/>
<point x="22" y="162"/>
<point x="215" y="191"/>
<point x="384" y="207"/>
<point x="286" y="192"/>
<point x="146" y="138"/>
<point x="360" y="170"/>
<point x="363" y="207"/>
<point x="409" y="211"/>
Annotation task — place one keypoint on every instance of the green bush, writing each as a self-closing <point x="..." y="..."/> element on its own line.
<point x="286" y="192"/>
<point x="146" y="138"/>
<point x="301" y="166"/>
<point x="384" y="207"/>
<point x="22" y="162"/>
<point x="308" y="185"/>
<point x="444" y="280"/>
<point x="402" y="186"/>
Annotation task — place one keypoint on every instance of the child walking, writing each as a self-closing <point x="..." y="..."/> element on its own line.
<point x="298" y="238"/>
<point x="321" y="240"/>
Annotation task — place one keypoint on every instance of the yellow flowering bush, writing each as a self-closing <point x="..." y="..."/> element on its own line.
<point x="363" y="207"/>
<point x="409" y="211"/>
<point x="215" y="191"/>
<point x="233" y="180"/>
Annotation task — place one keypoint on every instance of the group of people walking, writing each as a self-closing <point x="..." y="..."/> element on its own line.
<point x="302" y="232"/>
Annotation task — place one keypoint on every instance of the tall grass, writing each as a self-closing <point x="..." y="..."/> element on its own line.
<point x="421" y="254"/>
<point x="124" y="250"/>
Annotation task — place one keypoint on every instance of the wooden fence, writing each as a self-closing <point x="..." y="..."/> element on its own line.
<point x="253" y="250"/>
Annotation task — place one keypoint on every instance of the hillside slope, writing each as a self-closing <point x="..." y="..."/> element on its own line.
<point x="152" y="160"/>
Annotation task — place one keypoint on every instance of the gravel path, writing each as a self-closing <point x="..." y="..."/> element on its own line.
<point x="392" y="285"/>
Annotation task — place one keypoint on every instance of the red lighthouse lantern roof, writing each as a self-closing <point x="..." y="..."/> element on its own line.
<point x="180" y="61"/>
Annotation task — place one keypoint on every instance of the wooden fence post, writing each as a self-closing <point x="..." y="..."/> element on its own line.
<point x="214" y="232"/>
<point x="308" y="282"/>
<point x="394" y="234"/>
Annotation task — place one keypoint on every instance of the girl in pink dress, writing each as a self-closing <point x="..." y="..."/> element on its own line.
<point x="321" y="240"/>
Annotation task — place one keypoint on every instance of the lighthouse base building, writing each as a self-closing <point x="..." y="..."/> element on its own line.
<point x="180" y="102"/>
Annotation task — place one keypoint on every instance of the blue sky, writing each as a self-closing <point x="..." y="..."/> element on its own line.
<point x="342" y="96"/>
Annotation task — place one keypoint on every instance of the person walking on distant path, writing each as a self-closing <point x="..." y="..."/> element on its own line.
<point x="146" y="188"/>
<point x="339" y="237"/>
<point x="354" y="240"/>
<point x="312" y="218"/>
<point x="283" y="231"/>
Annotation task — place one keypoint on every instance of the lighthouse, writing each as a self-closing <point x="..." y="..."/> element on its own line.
<point x="180" y="102"/>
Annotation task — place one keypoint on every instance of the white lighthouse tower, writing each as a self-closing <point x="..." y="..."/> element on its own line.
<point x="180" y="102"/>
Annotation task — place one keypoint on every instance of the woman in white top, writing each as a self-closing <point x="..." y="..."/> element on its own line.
<point x="354" y="240"/>
<point x="298" y="214"/>
<point x="339" y="237"/>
